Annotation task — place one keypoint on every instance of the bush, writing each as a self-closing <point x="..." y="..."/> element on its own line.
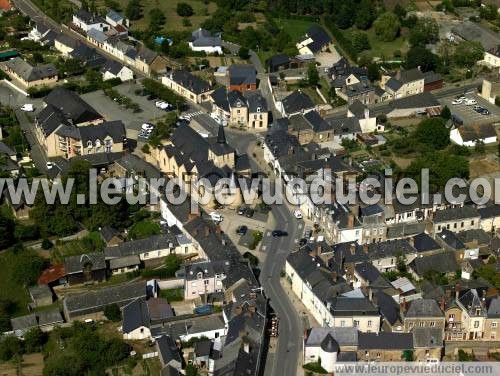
<point x="339" y="36"/>
<point x="184" y="10"/>
<point x="244" y="53"/>
<point x="113" y="312"/>
<point x="387" y="27"/>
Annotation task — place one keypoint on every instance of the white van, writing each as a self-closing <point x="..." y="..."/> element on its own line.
<point x="216" y="217"/>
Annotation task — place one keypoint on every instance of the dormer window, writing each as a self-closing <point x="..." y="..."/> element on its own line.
<point x="199" y="275"/>
<point x="97" y="143"/>
<point x="258" y="109"/>
<point x="89" y="144"/>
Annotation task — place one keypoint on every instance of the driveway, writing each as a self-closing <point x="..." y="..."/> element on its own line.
<point x="327" y="59"/>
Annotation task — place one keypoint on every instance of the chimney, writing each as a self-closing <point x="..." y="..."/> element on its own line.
<point x="457" y="290"/>
<point x="448" y="293"/>
<point x="365" y="248"/>
<point x="207" y="230"/>
<point x="411" y="240"/>
<point x="441" y="303"/>
<point x="403" y="305"/>
<point x="218" y="229"/>
<point x="370" y="295"/>
<point x="353" y="248"/>
<point x="246" y="347"/>
<point x="334" y="276"/>
<point x="350" y="220"/>
<point x="367" y="113"/>
<point x="290" y="150"/>
<point x="238" y="310"/>
<point x="191" y="216"/>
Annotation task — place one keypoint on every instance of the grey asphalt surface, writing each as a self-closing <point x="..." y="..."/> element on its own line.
<point x="467" y="113"/>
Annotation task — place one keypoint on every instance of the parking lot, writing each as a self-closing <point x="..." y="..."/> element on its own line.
<point x="467" y="113"/>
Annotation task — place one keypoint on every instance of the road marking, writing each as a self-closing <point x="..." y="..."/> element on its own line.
<point x="263" y="248"/>
<point x="296" y="240"/>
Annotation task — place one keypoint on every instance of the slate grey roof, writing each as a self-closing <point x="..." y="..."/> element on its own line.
<point x="427" y="337"/>
<point x="410" y="75"/>
<point x="277" y="60"/>
<point x="493" y="307"/>
<point x="136" y="247"/>
<point x="423" y="242"/>
<point x="442" y="262"/>
<point x="430" y="77"/>
<point x="474" y="235"/>
<point x="319" y="36"/>
<point x="39" y="318"/>
<point x="40" y="292"/>
<point x="388" y="308"/>
<point x="204" y="38"/>
<point x="187" y="326"/>
<point x="491" y="211"/>
<point x="115" y="16"/>
<point x="394" y="84"/>
<point x="422" y="100"/>
<point x="112" y="66"/>
<point x="95" y="300"/>
<point x="297" y="102"/>
<point x="190" y="81"/>
<point x="404" y="229"/>
<point x="114" y="129"/>
<point x="88" y="17"/>
<point x="124" y="262"/>
<point x="135" y="315"/>
<point x="66" y="40"/>
<point x="329" y="345"/>
<point x="345" y="336"/>
<point x="456" y="214"/>
<point x="5" y="149"/>
<point x="344" y="125"/>
<point x="358" y="109"/>
<point x="385" y="341"/>
<point x="255" y="101"/>
<point x="477" y="132"/>
<point x="424" y="308"/>
<point x="31" y="73"/>
<point x="72" y="106"/>
<point x="168" y="349"/>
<point x="282" y="143"/>
<point x="88" y="56"/>
<point x="77" y="264"/>
<point x="342" y="306"/>
<point x="242" y="74"/>
<point x="146" y="55"/>
<point x="451" y="239"/>
<point x="97" y="35"/>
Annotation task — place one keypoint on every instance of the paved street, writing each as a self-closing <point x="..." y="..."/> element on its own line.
<point x="467" y="113"/>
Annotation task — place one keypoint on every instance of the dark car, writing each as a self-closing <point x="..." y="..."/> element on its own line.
<point x="485" y="111"/>
<point x="242" y="230"/>
<point x="279" y="233"/>
<point x="249" y="213"/>
<point x="241" y="210"/>
<point x="302" y="242"/>
<point x="478" y="109"/>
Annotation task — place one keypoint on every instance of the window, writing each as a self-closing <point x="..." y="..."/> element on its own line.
<point x="476" y="324"/>
<point x="472" y="223"/>
<point x="342" y="323"/>
<point x="369" y="322"/>
<point x="433" y="324"/>
<point x="421" y="324"/>
<point x="206" y="281"/>
<point x="356" y="323"/>
<point x="462" y="224"/>
<point x="494" y="324"/>
<point x="146" y="255"/>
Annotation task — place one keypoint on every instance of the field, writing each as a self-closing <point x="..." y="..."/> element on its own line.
<point x="295" y="28"/>
<point x="32" y="364"/>
<point x="385" y="50"/>
<point x="174" y="22"/>
<point x="11" y="291"/>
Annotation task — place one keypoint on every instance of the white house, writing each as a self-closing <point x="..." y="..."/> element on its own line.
<point x="469" y="135"/>
<point x="114" y="69"/>
<point x="86" y="21"/>
<point x="492" y="57"/>
<point x="204" y="41"/>
<point x="115" y="18"/>
<point x="367" y="122"/>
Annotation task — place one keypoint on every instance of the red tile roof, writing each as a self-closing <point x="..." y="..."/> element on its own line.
<point x="5" y="5"/>
<point x="52" y="274"/>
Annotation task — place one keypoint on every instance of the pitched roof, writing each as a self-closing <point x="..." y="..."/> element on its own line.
<point x="490" y="211"/>
<point x="31" y="73"/>
<point x="329" y="345"/>
<point x="136" y="247"/>
<point x="112" y="66"/>
<point x="114" y="129"/>
<point x="319" y="36"/>
<point x="443" y="262"/>
<point x="427" y="337"/>
<point x="385" y="341"/>
<point x="204" y="38"/>
<point x="451" y="239"/>
<point x="388" y="307"/>
<point x="168" y="349"/>
<point x="358" y="109"/>
<point x="114" y="15"/>
<point x="343" y="306"/>
<point x="297" y="102"/>
<point x="423" y="242"/>
<point x="242" y="74"/>
<point x="277" y="60"/>
<point x="88" y="55"/>
<point x="71" y="105"/>
<point x="135" y="314"/>
<point x="5" y="149"/>
<point x="424" y="99"/>
<point x="191" y="82"/>
<point x="77" y="264"/>
<point x="423" y="308"/>
<point x="477" y="132"/>
<point x="455" y="214"/>
<point x="344" y="336"/>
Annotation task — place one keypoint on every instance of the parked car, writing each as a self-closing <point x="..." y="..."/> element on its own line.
<point x="470" y="102"/>
<point x="241" y="210"/>
<point x="279" y="233"/>
<point x="302" y="242"/>
<point x="456" y="101"/>
<point x="308" y="233"/>
<point x="249" y="213"/>
<point x="485" y="111"/>
<point x="216" y="217"/>
<point x="147" y="127"/>
<point x="297" y="214"/>
<point x="242" y="230"/>
<point x="28" y="107"/>
<point x="49" y="165"/>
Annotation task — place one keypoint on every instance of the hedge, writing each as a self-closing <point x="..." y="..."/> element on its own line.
<point x="344" y="43"/>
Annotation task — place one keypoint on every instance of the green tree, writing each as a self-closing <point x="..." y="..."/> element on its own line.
<point x="191" y="370"/>
<point x="133" y="11"/>
<point x="408" y="355"/>
<point x="172" y="264"/>
<point x="373" y="72"/>
<point x="7" y="226"/>
<point x="420" y="56"/>
<point x="27" y="266"/>
<point x="34" y="340"/>
<point x="399" y="11"/>
<point x="465" y="356"/>
<point x="244" y="53"/>
<point x="425" y="31"/>
<point x="467" y="53"/>
<point x="386" y="27"/>
<point x="488" y="12"/>
<point x="113" y="312"/>
<point x="360" y="41"/>
<point x="184" y="10"/>
<point x="6" y="308"/>
<point x="10" y="346"/>
<point x="364" y="15"/>
<point x="433" y="133"/>
<point x="312" y="75"/>
<point x="446" y="113"/>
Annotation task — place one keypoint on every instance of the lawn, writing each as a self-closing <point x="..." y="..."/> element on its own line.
<point x="311" y="92"/>
<point x="173" y="295"/>
<point x="169" y="8"/>
<point x="385" y="50"/>
<point x="11" y="291"/>
<point x="144" y="229"/>
<point x="295" y="28"/>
